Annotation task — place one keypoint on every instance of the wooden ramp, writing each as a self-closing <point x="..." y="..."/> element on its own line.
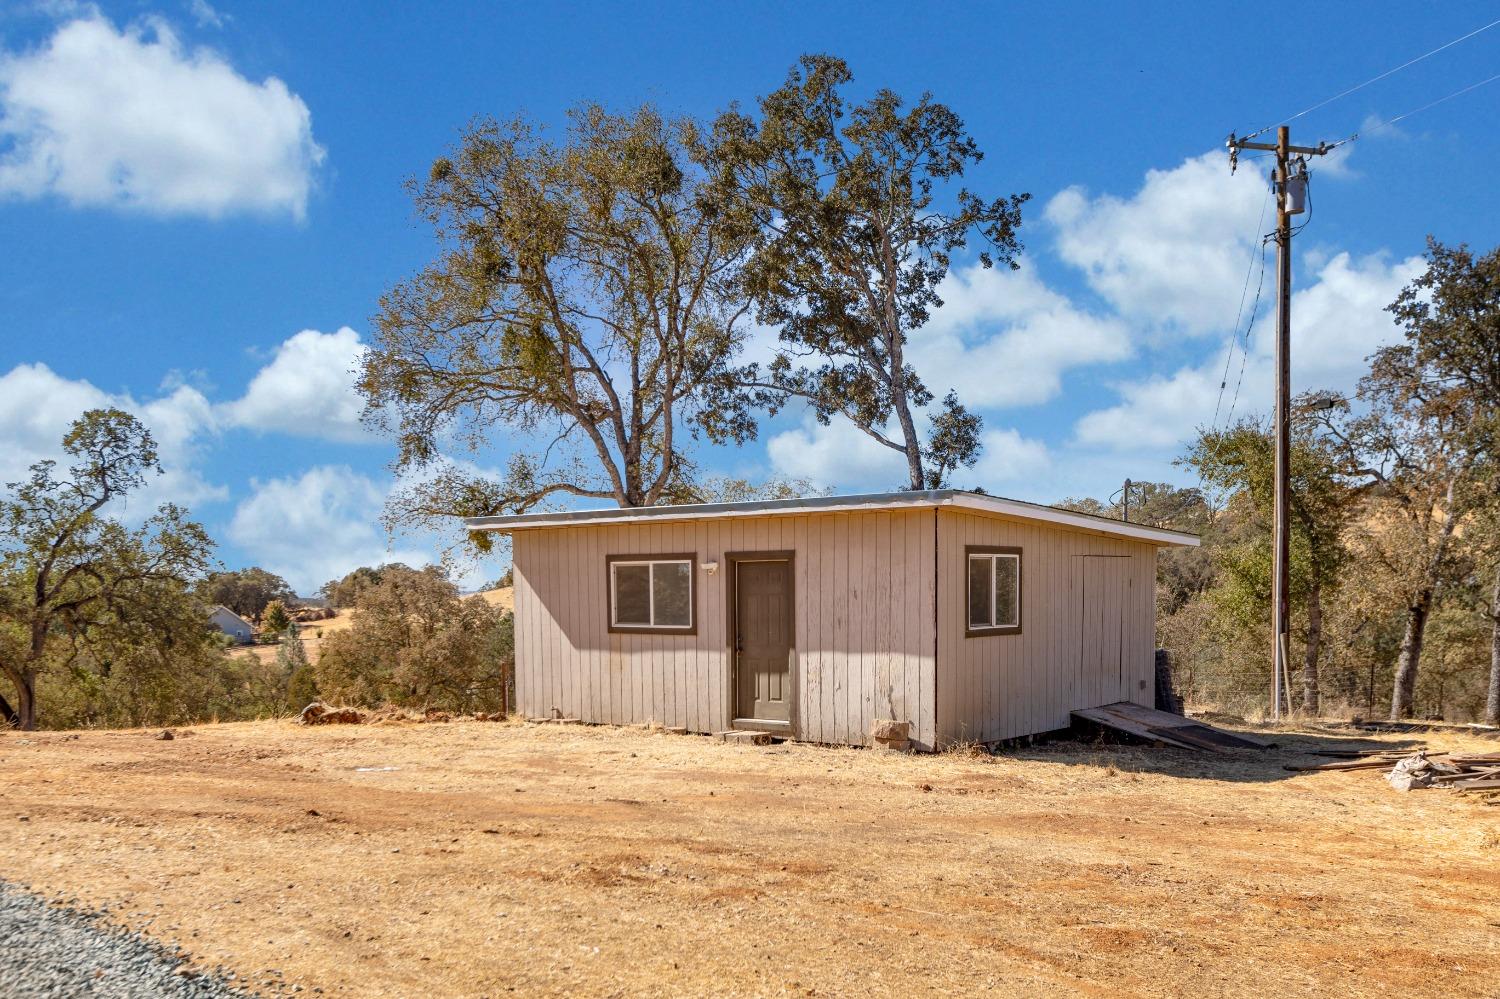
<point x="1167" y="729"/>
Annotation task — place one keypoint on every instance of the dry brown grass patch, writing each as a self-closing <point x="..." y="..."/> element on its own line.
<point x="469" y="859"/>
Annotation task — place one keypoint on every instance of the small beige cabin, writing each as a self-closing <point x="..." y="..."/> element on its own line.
<point x="967" y="616"/>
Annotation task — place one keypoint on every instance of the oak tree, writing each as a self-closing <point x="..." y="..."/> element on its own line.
<point x="71" y="577"/>
<point x="857" y="228"/>
<point x="582" y="296"/>
<point x="245" y="591"/>
<point x="1443" y="378"/>
<point x="1323" y="501"/>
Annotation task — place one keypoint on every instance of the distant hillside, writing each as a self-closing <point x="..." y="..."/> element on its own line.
<point x="504" y="597"/>
<point x="313" y="632"/>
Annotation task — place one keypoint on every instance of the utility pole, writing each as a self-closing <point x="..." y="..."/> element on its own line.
<point x="1291" y="195"/>
<point x="1124" y="493"/>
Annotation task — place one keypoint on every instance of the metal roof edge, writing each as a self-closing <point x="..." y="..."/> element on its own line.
<point x="1072" y="518"/>
<point x="907" y="499"/>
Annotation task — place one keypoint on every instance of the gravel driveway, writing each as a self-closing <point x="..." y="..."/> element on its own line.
<point x="49" y="951"/>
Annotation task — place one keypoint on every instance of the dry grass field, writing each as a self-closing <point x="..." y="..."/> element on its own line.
<point x="481" y="859"/>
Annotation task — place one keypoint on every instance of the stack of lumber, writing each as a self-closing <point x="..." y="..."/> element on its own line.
<point x="1459" y="771"/>
<point x="1477" y="772"/>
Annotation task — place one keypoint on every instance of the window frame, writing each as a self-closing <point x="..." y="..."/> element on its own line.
<point x="990" y="552"/>
<point x="674" y="558"/>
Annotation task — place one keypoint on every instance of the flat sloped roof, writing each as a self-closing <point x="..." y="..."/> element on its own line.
<point x="932" y="498"/>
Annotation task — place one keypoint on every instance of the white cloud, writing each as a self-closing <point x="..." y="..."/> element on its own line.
<point x="315" y="527"/>
<point x="838" y="455"/>
<point x="307" y="390"/>
<point x="1008" y="461"/>
<point x="131" y="119"/>
<point x="207" y="15"/>
<point x="1175" y="252"/>
<point x="1003" y="338"/>
<point x="1337" y="322"/>
<point x="1340" y="319"/>
<point x="37" y="406"/>
<point x="1162" y="411"/>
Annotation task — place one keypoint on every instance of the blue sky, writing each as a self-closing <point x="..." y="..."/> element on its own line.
<point x="200" y="206"/>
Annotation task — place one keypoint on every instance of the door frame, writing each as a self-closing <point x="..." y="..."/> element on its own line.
<point x="794" y="673"/>
<point x="1124" y="596"/>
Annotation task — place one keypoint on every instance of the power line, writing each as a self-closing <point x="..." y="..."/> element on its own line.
<point x="1391" y="121"/>
<point x="1382" y="76"/>
<point x="1239" y="313"/>
<point x="1245" y="350"/>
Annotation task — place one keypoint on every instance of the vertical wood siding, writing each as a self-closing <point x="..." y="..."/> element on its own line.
<point x="1003" y="686"/>
<point x="863" y="616"/>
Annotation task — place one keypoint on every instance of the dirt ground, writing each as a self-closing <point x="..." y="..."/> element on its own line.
<point x="480" y="859"/>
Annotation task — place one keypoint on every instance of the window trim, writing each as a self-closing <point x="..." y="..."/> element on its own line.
<point x="691" y="558"/>
<point x="995" y="629"/>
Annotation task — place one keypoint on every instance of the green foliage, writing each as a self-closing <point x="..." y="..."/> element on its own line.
<point x="415" y="642"/>
<point x="294" y="671"/>
<point x="853" y="243"/>
<point x="291" y="653"/>
<point x="342" y="593"/>
<point x="1395" y="553"/>
<point x="500" y="583"/>
<point x="730" y="489"/>
<point x="79" y="589"/>
<point x="275" y="620"/>
<point x="301" y="688"/>
<point x="582" y="295"/>
<point x="245" y="591"/>
<point x="1449" y="360"/>
<point x="1240" y="460"/>
<point x="952" y="441"/>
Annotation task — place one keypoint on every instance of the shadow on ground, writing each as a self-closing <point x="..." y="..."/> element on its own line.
<point x="1084" y="747"/>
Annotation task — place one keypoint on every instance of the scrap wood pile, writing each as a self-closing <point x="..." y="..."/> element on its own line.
<point x="1410" y="769"/>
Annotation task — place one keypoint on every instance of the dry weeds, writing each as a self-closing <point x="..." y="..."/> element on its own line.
<point x="480" y="858"/>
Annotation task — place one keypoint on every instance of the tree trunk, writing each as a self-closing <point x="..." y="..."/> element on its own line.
<point x="913" y="442"/>
<point x="26" y="703"/>
<point x="1404" y="691"/>
<point x="1492" y="706"/>
<point x="1314" y="649"/>
<point x="8" y="714"/>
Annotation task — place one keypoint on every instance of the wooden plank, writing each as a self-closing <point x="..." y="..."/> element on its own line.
<point x="945" y="669"/>
<point x="1469" y="775"/>
<point x="598" y="603"/>
<point x="906" y="597"/>
<point x="882" y="701"/>
<point x="712" y="612"/>
<point x="1490" y="784"/>
<point x="1121" y="723"/>
<point x="525" y="606"/>
<point x="922" y="545"/>
<point x="1373" y="764"/>
<point x="857" y="642"/>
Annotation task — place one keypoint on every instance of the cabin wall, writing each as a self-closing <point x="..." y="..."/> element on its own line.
<point x="864" y="624"/>
<point x="1004" y="686"/>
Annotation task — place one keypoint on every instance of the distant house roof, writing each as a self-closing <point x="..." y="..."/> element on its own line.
<point x="932" y="498"/>
<point x="220" y="608"/>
